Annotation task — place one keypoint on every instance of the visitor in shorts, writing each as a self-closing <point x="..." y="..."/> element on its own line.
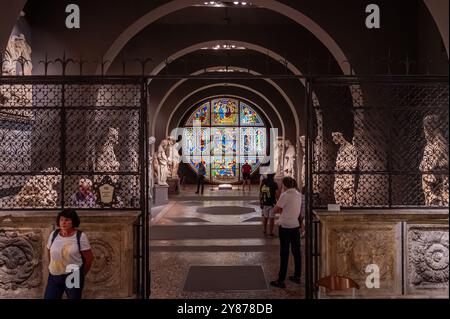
<point x="267" y="196"/>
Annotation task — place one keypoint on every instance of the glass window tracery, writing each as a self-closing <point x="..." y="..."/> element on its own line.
<point x="234" y="134"/>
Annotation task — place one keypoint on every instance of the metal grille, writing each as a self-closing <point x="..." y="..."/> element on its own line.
<point x="393" y="147"/>
<point x="52" y="134"/>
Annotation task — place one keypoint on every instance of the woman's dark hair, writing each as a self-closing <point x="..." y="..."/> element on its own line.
<point x="270" y="177"/>
<point x="69" y="213"/>
<point x="289" y="182"/>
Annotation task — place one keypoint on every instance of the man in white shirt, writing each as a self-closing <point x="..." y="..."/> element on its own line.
<point x="289" y="207"/>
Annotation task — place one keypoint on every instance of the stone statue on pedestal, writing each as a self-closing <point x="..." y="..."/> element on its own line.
<point x="107" y="161"/>
<point x="162" y="163"/>
<point x="289" y="159"/>
<point x="346" y="161"/>
<point x="303" y="167"/>
<point x="38" y="190"/>
<point x="151" y="170"/>
<point x="435" y="158"/>
<point x="173" y="157"/>
<point x="278" y="157"/>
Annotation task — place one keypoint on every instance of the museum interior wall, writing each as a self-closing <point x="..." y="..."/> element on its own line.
<point x="358" y="126"/>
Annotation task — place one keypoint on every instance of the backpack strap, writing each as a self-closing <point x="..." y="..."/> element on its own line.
<point x="79" y="233"/>
<point x="55" y="234"/>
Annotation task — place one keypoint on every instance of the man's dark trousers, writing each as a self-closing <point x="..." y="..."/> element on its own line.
<point x="289" y="237"/>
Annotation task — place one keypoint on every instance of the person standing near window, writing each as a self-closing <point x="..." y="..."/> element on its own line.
<point x="201" y="173"/>
<point x="70" y="254"/>
<point x="246" y="171"/>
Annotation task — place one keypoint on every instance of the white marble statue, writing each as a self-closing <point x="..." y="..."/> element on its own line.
<point x="289" y="159"/>
<point x="278" y="157"/>
<point x="162" y="163"/>
<point x="107" y="161"/>
<point x="303" y="167"/>
<point x="174" y="158"/>
<point x="346" y="161"/>
<point x="151" y="170"/>
<point x="435" y="158"/>
<point x="16" y="49"/>
<point x="38" y="190"/>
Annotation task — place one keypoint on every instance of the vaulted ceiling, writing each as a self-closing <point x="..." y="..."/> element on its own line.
<point x="187" y="37"/>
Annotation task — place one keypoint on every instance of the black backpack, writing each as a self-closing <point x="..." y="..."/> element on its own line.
<point x="79" y="233"/>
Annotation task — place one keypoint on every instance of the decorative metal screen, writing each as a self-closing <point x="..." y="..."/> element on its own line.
<point x="380" y="143"/>
<point x="54" y="134"/>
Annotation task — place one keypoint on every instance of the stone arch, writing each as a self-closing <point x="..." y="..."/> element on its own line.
<point x="275" y="6"/>
<point x="276" y="86"/>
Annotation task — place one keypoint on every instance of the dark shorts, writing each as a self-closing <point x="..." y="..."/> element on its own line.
<point x="246" y="175"/>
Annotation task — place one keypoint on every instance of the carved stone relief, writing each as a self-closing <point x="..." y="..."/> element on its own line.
<point x="427" y="258"/>
<point x="351" y="248"/>
<point x="20" y="260"/>
<point x="108" y="273"/>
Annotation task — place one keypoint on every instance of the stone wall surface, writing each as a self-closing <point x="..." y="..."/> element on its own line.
<point x="24" y="259"/>
<point x="410" y="248"/>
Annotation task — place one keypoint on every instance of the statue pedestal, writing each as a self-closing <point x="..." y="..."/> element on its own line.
<point x="161" y="196"/>
<point x="174" y="186"/>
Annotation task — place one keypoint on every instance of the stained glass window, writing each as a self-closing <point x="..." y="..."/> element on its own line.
<point x="234" y="134"/>
<point x="225" y="112"/>
<point x="196" y="140"/>
<point x="253" y="141"/>
<point x="224" y="169"/>
<point x="224" y="140"/>
<point x="249" y="116"/>
<point x="201" y="115"/>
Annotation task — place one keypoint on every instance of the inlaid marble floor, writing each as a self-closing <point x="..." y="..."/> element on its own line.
<point x="205" y="232"/>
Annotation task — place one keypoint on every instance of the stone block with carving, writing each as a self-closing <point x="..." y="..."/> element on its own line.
<point x="24" y="261"/>
<point x="20" y="263"/>
<point x="426" y="257"/>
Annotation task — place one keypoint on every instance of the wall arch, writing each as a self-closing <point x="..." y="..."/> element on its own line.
<point x="275" y="6"/>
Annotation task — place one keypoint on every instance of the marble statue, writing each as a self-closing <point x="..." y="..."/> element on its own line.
<point x="17" y="49"/>
<point x="346" y="161"/>
<point x="278" y="157"/>
<point x="107" y="161"/>
<point x="435" y="158"/>
<point x="303" y="167"/>
<point x="162" y="164"/>
<point x="151" y="170"/>
<point x="173" y="157"/>
<point x="38" y="190"/>
<point x="289" y="159"/>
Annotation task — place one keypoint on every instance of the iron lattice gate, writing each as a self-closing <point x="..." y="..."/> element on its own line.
<point x="56" y="132"/>
<point x="379" y="142"/>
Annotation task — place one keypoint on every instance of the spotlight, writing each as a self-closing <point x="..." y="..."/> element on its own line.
<point x="236" y="3"/>
<point x="244" y="3"/>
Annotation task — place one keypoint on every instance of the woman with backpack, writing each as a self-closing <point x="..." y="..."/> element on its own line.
<point x="70" y="257"/>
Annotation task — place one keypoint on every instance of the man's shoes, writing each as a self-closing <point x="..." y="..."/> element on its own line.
<point x="196" y="192"/>
<point x="278" y="284"/>
<point x="294" y="279"/>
